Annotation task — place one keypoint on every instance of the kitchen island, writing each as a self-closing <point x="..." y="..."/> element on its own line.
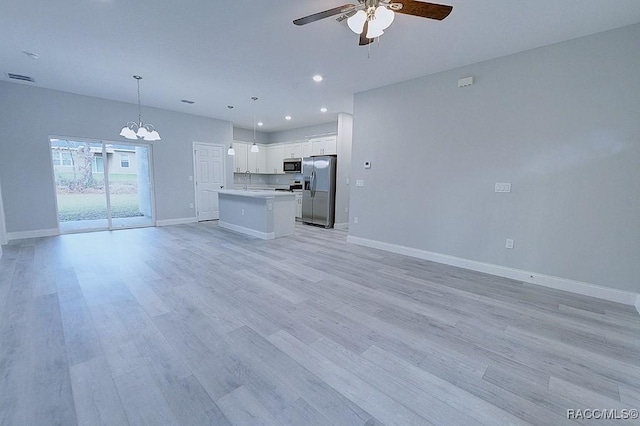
<point x="262" y="214"/>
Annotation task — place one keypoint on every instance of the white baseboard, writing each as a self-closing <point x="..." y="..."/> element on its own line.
<point x="344" y="225"/>
<point x="247" y="231"/>
<point x="578" y="287"/>
<point x="11" y="236"/>
<point x="179" y="221"/>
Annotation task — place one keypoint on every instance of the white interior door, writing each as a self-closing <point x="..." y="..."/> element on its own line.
<point x="209" y="169"/>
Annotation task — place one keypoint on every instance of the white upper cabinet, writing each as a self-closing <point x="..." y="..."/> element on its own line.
<point x="275" y="156"/>
<point x="257" y="161"/>
<point x="306" y="149"/>
<point x="293" y="150"/>
<point x="326" y="145"/>
<point x="240" y="159"/>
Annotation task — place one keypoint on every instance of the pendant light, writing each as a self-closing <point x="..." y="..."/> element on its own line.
<point x="231" y="151"/>
<point x="254" y="147"/>
<point x="139" y="130"/>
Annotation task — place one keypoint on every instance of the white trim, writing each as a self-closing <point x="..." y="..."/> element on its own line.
<point x="179" y="221"/>
<point x="344" y="225"/>
<point x="11" y="236"/>
<point x="247" y="231"/>
<point x="578" y="287"/>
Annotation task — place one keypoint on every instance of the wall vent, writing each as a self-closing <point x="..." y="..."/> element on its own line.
<point x="21" y="77"/>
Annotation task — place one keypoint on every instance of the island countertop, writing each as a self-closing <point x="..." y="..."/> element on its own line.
<point x="256" y="193"/>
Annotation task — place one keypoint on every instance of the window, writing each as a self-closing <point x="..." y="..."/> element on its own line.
<point x="61" y="158"/>
<point x="66" y="158"/>
<point x="97" y="165"/>
<point x="55" y="155"/>
<point x="124" y="161"/>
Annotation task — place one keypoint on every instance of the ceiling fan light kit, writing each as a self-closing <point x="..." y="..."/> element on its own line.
<point x="139" y="130"/>
<point x="370" y="18"/>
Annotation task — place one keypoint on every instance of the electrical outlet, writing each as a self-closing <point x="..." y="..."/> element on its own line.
<point x="242" y="212"/>
<point x="359" y="182"/>
<point x="355" y="219"/>
<point x="190" y="178"/>
<point x="346" y="209"/>
<point x="509" y="243"/>
<point x="190" y="205"/>
<point x="503" y="187"/>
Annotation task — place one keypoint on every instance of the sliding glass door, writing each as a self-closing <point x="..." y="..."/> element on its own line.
<point x="101" y="185"/>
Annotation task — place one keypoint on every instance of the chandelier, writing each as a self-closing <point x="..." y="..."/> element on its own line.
<point x="139" y="130"/>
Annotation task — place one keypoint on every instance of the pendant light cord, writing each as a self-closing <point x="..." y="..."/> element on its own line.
<point x="139" y="110"/>
<point x="254" y="119"/>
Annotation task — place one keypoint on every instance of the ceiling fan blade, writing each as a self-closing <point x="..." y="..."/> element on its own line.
<point x="321" y="15"/>
<point x="423" y="9"/>
<point x="363" y="35"/>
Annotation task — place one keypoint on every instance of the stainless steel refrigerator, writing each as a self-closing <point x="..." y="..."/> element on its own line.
<point x="319" y="190"/>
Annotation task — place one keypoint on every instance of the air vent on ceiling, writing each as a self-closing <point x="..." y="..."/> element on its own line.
<point x="21" y="77"/>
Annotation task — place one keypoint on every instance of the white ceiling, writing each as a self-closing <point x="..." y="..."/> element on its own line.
<point x="221" y="53"/>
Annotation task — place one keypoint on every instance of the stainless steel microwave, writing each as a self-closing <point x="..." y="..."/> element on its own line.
<point x="292" y="165"/>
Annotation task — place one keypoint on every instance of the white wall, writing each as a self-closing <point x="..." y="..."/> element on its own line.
<point x="31" y="114"/>
<point x="343" y="172"/>
<point x="3" y="231"/>
<point x="561" y="123"/>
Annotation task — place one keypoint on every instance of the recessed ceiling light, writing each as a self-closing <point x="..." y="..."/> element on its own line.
<point x="187" y="101"/>
<point x="323" y="109"/>
<point x="31" y="54"/>
<point x="318" y="78"/>
<point x="288" y="117"/>
<point x="260" y="123"/>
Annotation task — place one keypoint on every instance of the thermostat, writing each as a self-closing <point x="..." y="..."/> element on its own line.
<point x="367" y="164"/>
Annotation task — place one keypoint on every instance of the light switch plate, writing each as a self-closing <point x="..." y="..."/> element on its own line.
<point x="509" y="243"/>
<point x="359" y="182"/>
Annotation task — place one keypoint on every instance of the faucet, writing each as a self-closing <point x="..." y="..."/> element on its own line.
<point x="247" y="174"/>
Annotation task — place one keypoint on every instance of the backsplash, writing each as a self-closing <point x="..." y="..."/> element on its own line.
<point x="266" y="180"/>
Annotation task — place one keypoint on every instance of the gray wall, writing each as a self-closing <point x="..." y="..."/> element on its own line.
<point x="3" y="232"/>
<point x="30" y="115"/>
<point x="343" y="172"/>
<point x="246" y="135"/>
<point x="303" y="132"/>
<point x="561" y="123"/>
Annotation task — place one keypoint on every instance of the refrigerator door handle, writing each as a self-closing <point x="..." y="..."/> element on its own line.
<point x="313" y="183"/>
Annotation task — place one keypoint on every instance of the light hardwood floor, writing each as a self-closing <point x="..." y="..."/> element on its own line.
<point x="193" y="324"/>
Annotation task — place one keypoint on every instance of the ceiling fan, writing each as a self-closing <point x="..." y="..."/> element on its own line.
<point x="370" y="18"/>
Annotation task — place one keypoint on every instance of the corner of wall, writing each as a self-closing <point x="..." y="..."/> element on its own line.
<point x="638" y="303"/>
